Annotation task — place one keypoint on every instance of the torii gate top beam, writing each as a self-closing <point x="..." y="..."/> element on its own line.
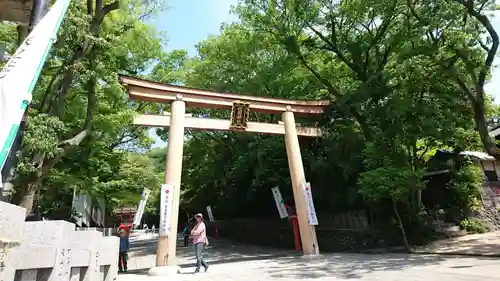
<point x="144" y="90"/>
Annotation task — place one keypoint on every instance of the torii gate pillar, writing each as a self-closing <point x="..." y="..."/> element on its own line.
<point x="297" y="175"/>
<point x="165" y="251"/>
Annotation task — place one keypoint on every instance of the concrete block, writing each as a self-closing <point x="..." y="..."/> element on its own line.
<point x="89" y="242"/>
<point x="56" y="234"/>
<point x="48" y="233"/>
<point x="80" y="258"/>
<point x="7" y="261"/>
<point x="110" y="246"/>
<point x="35" y="256"/>
<point x="53" y="250"/>
<point x="81" y="246"/>
<point x="62" y="268"/>
<point x="11" y="222"/>
<point x="11" y="226"/>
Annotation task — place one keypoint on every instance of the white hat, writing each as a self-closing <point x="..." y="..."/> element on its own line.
<point x="200" y="215"/>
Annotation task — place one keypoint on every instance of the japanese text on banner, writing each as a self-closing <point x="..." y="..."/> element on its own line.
<point x="280" y="204"/>
<point x="167" y="195"/>
<point x="142" y="206"/>
<point x="210" y="214"/>
<point x="311" y="211"/>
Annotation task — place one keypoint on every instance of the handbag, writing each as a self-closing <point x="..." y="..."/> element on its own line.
<point x="206" y="242"/>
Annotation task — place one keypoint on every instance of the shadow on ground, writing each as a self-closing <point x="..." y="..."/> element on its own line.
<point x="285" y="264"/>
<point x="474" y="245"/>
<point x="218" y="252"/>
<point x="355" y="266"/>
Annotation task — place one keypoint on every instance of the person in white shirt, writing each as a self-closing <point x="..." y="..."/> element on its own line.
<point x="199" y="236"/>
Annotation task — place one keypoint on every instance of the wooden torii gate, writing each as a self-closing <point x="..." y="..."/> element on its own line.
<point x="177" y="121"/>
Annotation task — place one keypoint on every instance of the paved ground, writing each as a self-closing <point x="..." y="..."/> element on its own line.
<point x="250" y="263"/>
<point x="487" y="244"/>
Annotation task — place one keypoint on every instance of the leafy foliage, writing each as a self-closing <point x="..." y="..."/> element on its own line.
<point x="395" y="101"/>
<point x="468" y="185"/>
<point x="79" y="134"/>
<point x="405" y="78"/>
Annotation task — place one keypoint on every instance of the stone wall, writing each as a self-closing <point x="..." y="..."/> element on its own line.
<point x="53" y="250"/>
<point x="344" y="232"/>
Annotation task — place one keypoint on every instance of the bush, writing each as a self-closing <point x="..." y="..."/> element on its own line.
<point x="472" y="225"/>
<point x="467" y="184"/>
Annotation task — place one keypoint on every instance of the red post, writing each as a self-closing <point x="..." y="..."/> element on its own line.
<point x="292" y="217"/>
<point x="217" y="232"/>
<point x="296" y="233"/>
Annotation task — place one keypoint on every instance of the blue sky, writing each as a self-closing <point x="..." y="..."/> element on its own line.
<point x="188" y="22"/>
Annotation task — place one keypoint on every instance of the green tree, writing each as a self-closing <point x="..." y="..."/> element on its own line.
<point x="459" y="37"/>
<point x="80" y="120"/>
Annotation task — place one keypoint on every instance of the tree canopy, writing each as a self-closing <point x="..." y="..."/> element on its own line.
<point x="405" y="79"/>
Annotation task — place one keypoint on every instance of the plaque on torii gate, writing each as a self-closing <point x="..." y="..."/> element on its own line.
<point x="240" y="105"/>
<point x="240" y="112"/>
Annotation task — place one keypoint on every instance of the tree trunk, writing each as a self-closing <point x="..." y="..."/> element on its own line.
<point x="400" y="225"/>
<point x="29" y="198"/>
<point x="26" y="195"/>
<point x="80" y="53"/>
<point x="43" y="164"/>
<point x="479" y="80"/>
<point x="61" y="93"/>
<point x="489" y="143"/>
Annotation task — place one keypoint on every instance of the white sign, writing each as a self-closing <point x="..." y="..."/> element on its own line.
<point x="166" y="197"/>
<point x="280" y="204"/>
<point x="210" y="215"/>
<point x="142" y="206"/>
<point x="311" y="212"/>
<point x="19" y="76"/>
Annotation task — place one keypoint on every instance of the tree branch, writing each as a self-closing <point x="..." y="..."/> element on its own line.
<point x="68" y="144"/>
<point x="90" y="7"/>
<point x="110" y="7"/>
<point x="336" y="93"/>
<point x="469" y="6"/>
<point x="333" y="47"/>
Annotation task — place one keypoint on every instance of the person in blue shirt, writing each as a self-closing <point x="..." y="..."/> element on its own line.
<point x="186" y="231"/>
<point x="124" y="247"/>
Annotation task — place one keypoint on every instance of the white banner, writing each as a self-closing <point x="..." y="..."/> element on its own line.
<point x="311" y="211"/>
<point x="280" y="204"/>
<point x="167" y="195"/>
<point x="19" y="76"/>
<point x="210" y="215"/>
<point x="142" y="206"/>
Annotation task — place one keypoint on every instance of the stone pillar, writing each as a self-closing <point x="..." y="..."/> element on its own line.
<point x="165" y="252"/>
<point x="87" y="244"/>
<point x="109" y="257"/>
<point x="11" y="229"/>
<point x="307" y="232"/>
<point x="46" y="235"/>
